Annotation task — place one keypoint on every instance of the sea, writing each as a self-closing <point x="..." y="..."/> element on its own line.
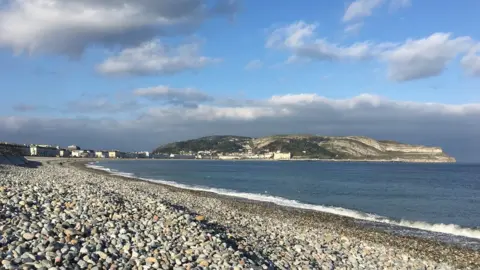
<point x="435" y="201"/>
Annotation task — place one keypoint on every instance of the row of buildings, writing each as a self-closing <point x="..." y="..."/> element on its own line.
<point x="271" y="155"/>
<point x="73" y="151"/>
<point x="225" y="156"/>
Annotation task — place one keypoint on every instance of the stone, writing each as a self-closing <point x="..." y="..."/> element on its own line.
<point x="82" y="264"/>
<point x="28" y="236"/>
<point x="102" y="255"/>
<point x="150" y="260"/>
<point x="200" y="218"/>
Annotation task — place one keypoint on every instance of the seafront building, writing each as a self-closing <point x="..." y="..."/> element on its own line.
<point x="76" y="153"/>
<point x="116" y="154"/>
<point x="142" y="154"/>
<point x="73" y="147"/>
<point x="64" y="152"/>
<point x="44" y="150"/>
<point x="101" y="154"/>
<point x="250" y="155"/>
<point x="282" y="156"/>
<point x="72" y="151"/>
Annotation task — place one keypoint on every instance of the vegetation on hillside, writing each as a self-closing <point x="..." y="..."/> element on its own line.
<point x="300" y="148"/>
<point x="223" y="144"/>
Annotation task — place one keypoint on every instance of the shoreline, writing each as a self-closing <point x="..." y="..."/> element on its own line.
<point x="331" y="235"/>
<point x="255" y="160"/>
<point x="348" y="226"/>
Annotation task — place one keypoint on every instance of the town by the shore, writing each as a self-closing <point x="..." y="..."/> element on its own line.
<point x="59" y="214"/>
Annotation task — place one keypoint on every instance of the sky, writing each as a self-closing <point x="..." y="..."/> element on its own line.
<point x="134" y="74"/>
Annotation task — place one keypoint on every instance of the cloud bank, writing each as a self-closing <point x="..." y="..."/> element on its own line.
<point x="454" y="127"/>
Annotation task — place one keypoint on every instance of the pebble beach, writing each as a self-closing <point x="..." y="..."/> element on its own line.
<point x="62" y="215"/>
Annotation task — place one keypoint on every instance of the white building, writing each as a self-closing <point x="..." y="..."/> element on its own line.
<point x="101" y="154"/>
<point x="228" y="157"/>
<point x="44" y="151"/>
<point x="143" y="154"/>
<point x="282" y="156"/>
<point x="73" y="147"/>
<point x="64" y="153"/>
<point x="76" y="153"/>
<point x="115" y="154"/>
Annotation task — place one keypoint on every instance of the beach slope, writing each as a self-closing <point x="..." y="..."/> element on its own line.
<point x="62" y="214"/>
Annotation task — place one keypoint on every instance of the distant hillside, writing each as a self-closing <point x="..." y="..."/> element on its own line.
<point x="310" y="147"/>
<point x="220" y="144"/>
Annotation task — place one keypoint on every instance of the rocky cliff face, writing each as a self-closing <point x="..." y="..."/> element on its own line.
<point x="406" y="148"/>
<point x="314" y="147"/>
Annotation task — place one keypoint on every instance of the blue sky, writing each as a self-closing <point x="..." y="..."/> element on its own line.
<point x="210" y="65"/>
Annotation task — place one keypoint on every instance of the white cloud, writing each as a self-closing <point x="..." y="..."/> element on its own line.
<point x="353" y="28"/>
<point x="292" y="99"/>
<point x="254" y="64"/>
<point x="410" y="60"/>
<point x="290" y="36"/>
<point x="300" y="39"/>
<point x="360" y="8"/>
<point x="424" y="57"/>
<point x="188" y="97"/>
<point x="471" y="62"/>
<point x="70" y="26"/>
<point x="155" y="58"/>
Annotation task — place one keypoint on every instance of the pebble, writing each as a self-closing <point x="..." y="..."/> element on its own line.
<point x="75" y="219"/>
<point x="28" y="236"/>
<point x="82" y="264"/>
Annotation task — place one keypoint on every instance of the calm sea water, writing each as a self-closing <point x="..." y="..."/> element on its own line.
<point x="436" y="200"/>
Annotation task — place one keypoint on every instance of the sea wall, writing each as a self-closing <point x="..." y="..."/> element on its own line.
<point x="12" y="160"/>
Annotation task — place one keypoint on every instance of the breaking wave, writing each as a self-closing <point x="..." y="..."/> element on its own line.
<point x="451" y="229"/>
